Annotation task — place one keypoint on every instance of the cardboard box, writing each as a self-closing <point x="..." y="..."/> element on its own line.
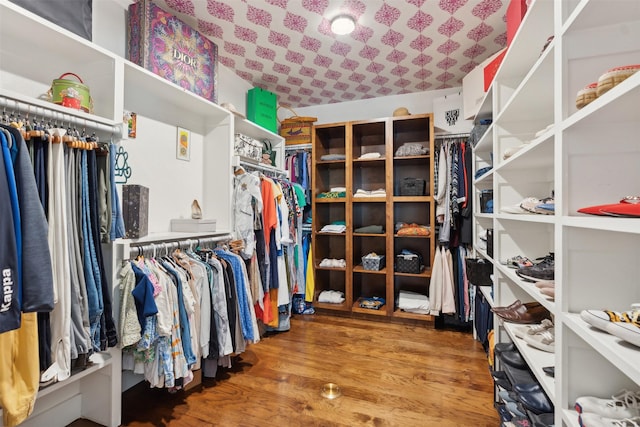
<point x="473" y="91"/>
<point x="168" y="47"/>
<point x="491" y="69"/>
<point x="193" y="225"/>
<point x="262" y="108"/>
<point x="515" y="13"/>
<point x="135" y="210"/>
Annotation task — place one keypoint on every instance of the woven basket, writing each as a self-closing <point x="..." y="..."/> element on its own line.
<point x="373" y="264"/>
<point x="296" y="129"/>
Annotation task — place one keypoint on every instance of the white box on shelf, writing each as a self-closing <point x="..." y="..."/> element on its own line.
<point x="193" y="225"/>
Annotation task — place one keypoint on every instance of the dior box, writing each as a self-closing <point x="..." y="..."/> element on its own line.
<point x="168" y="47"/>
<point x="135" y="210"/>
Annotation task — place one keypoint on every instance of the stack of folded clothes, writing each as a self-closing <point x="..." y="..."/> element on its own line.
<point x="333" y="297"/>
<point x="334" y="192"/>
<point x="329" y="157"/>
<point x="413" y="302"/>
<point x="335" y="227"/>
<point x="380" y="192"/>
<point x="413" y="229"/>
<point x="333" y="263"/>
<point x="370" y="156"/>
<point x="370" y="229"/>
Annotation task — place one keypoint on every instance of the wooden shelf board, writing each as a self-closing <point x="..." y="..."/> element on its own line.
<point x="360" y="269"/>
<point x="330" y="199"/>
<point x="424" y="273"/>
<point x="400" y="199"/>
<point x="412" y="237"/>
<point x="424" y="157"/>
<point x="357" y="309"/>
<point x="415" y="316"/>
<point x="330" y="268"/>
<point x="328" y="306"/>
<point x="369" y="235"/>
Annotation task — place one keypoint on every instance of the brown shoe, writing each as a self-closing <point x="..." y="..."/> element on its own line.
<point x="526" y="313"/>
<point x="517" y="303"/>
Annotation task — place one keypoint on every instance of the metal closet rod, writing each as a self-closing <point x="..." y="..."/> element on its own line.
<point x="39" y="111"/>
<point x="165" y="246"/>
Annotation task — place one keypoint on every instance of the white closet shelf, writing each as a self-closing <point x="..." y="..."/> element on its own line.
<point x="619" y="104"/>
<point x="486" y="291"/>
<point x="528" y="287"/>
<point x="99" y="360"/>
<point x="622" y="355"/>
<point x="594" y="14"/>
<point x="152" y="96"/>
<point x="537" y="154"/>
<point x="533" y="218"/>
<point x="527" y="44"/>
<point x="247" y="127"/>
<point x="485" y="144"/>
<point x="619" y="225"/>
<point x="536" y="359"/>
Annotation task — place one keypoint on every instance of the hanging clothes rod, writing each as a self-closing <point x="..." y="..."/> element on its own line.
<point x="266" y="169"/>
<point x="452" y="135"/>
<point x="46" y="110"/>
<point x="166" y="246"/>
<point x="297" y="147"/>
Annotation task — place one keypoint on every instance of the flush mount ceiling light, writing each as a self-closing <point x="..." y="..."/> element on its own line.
<point x="343" y="24"/>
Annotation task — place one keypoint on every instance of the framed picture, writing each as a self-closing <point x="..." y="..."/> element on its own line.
<point x="183" y="145"/>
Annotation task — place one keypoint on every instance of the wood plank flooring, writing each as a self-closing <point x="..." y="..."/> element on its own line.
<point x="390" y="375"/>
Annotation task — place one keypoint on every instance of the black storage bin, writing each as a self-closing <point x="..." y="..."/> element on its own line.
<point x="412" y="187"/>
<point x="408" y="264"/>
<point x="490" y="242"/>
<point x="479" y="271"/>
<point x="486" y="196"/>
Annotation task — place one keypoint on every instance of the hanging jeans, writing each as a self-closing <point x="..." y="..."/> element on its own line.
<point x="91" y="268"/>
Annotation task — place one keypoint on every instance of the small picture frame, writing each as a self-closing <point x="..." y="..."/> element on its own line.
<point x="183" y="145"/>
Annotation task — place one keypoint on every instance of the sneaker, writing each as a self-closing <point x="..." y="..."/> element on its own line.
<point x="602" y="318"/>
<point x="522" y="331"/>
<point x="630" y="332"/>
<point x="625" y="404"/>
<point x="594" y="420"/>
<point x="518" y="261"/>
<point x="544" y="340"/>
<point x="519" y="208"/>
<point x="533" y="205"/>
<point x="543" y="270"/>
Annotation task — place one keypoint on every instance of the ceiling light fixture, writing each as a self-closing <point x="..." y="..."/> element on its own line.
<point x="343" y="24"/>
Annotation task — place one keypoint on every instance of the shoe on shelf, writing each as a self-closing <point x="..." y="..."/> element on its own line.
<point x="522" y="331"/>
<point x="535" y="401"/>
<point x="627" y="207"/>
<point x="519" y="209"/>
<point x="630" y="332"/>
<point x="602" y="318"/>
<point x="594" y="420"/>
<point x="543" y="270"/>
<point x="549" y="292"/>
<point x="549" y="370"/>
<point x="545" y="284"/>
<point x="625" y="404"/>
<point x="544" y="206"/>
<point x="513" y="150"/>
<point x="513" y="358"/>
<point x="544" y="340"/>
<point x="518" y="261"/>
<point x="525" y="314"/>
<point x="542" y="420"/>
<point x="613" y="77"/>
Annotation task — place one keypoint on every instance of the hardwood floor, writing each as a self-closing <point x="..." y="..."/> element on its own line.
<point x="390" y="375"/>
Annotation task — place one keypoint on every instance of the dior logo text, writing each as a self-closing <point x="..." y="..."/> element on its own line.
<point x="181" y="56"/>
<point x="7" y="290"/>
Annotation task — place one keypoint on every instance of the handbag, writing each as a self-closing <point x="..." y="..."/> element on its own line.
<point x="479" y="271"/>
<point x="268" y="154"/>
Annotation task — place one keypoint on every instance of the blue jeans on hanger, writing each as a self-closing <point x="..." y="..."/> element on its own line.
<point x="91" y="268"/>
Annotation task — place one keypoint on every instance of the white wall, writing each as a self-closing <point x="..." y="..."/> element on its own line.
<point x="366" y="109"/>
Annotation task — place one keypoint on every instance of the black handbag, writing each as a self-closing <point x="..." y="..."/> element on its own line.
<point x="479" y="271"/>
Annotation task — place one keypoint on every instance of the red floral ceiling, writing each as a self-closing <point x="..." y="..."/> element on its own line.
<point x="398" y="46"/>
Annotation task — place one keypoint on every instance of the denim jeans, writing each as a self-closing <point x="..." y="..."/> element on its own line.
<point x="91" y="268"/>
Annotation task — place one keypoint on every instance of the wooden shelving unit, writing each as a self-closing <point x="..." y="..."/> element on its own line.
<point x="354" y="139"/>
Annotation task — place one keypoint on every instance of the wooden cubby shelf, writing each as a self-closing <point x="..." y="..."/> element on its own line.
<point x="361" y="138"/>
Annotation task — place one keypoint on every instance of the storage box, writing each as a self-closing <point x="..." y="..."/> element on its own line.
<point x="168" y="47"/>
<point x="491" y="69"/>
<point x="479" y="271"/>
<point x="262" y="108"/>
<point x="473" y="89"/>
<point x="486" y="201"/>
<point x="412" y="187"/>
<point x="373" y="263"/>
<point x="408" y="263"/>
<point x="247" y="147"/>
<point x="135" y="210"/>
<point x="193" y="225"/>
<point x="515" y="13"/>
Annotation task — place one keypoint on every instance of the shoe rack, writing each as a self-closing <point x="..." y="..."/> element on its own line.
<point x="586" y="156"/>
<point x="354" y="139"/>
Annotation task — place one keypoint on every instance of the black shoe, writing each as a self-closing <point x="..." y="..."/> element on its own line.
<point x="543" y="270"/>
<point x="549" y="370"/>
<point x="513" y="358"/>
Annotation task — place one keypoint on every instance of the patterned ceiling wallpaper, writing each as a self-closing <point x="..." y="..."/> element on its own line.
<point x="398" y="46"/>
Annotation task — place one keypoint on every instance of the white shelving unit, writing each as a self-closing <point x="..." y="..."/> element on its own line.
<point x="586" y="157"/>
<point x="34" y="52"/>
